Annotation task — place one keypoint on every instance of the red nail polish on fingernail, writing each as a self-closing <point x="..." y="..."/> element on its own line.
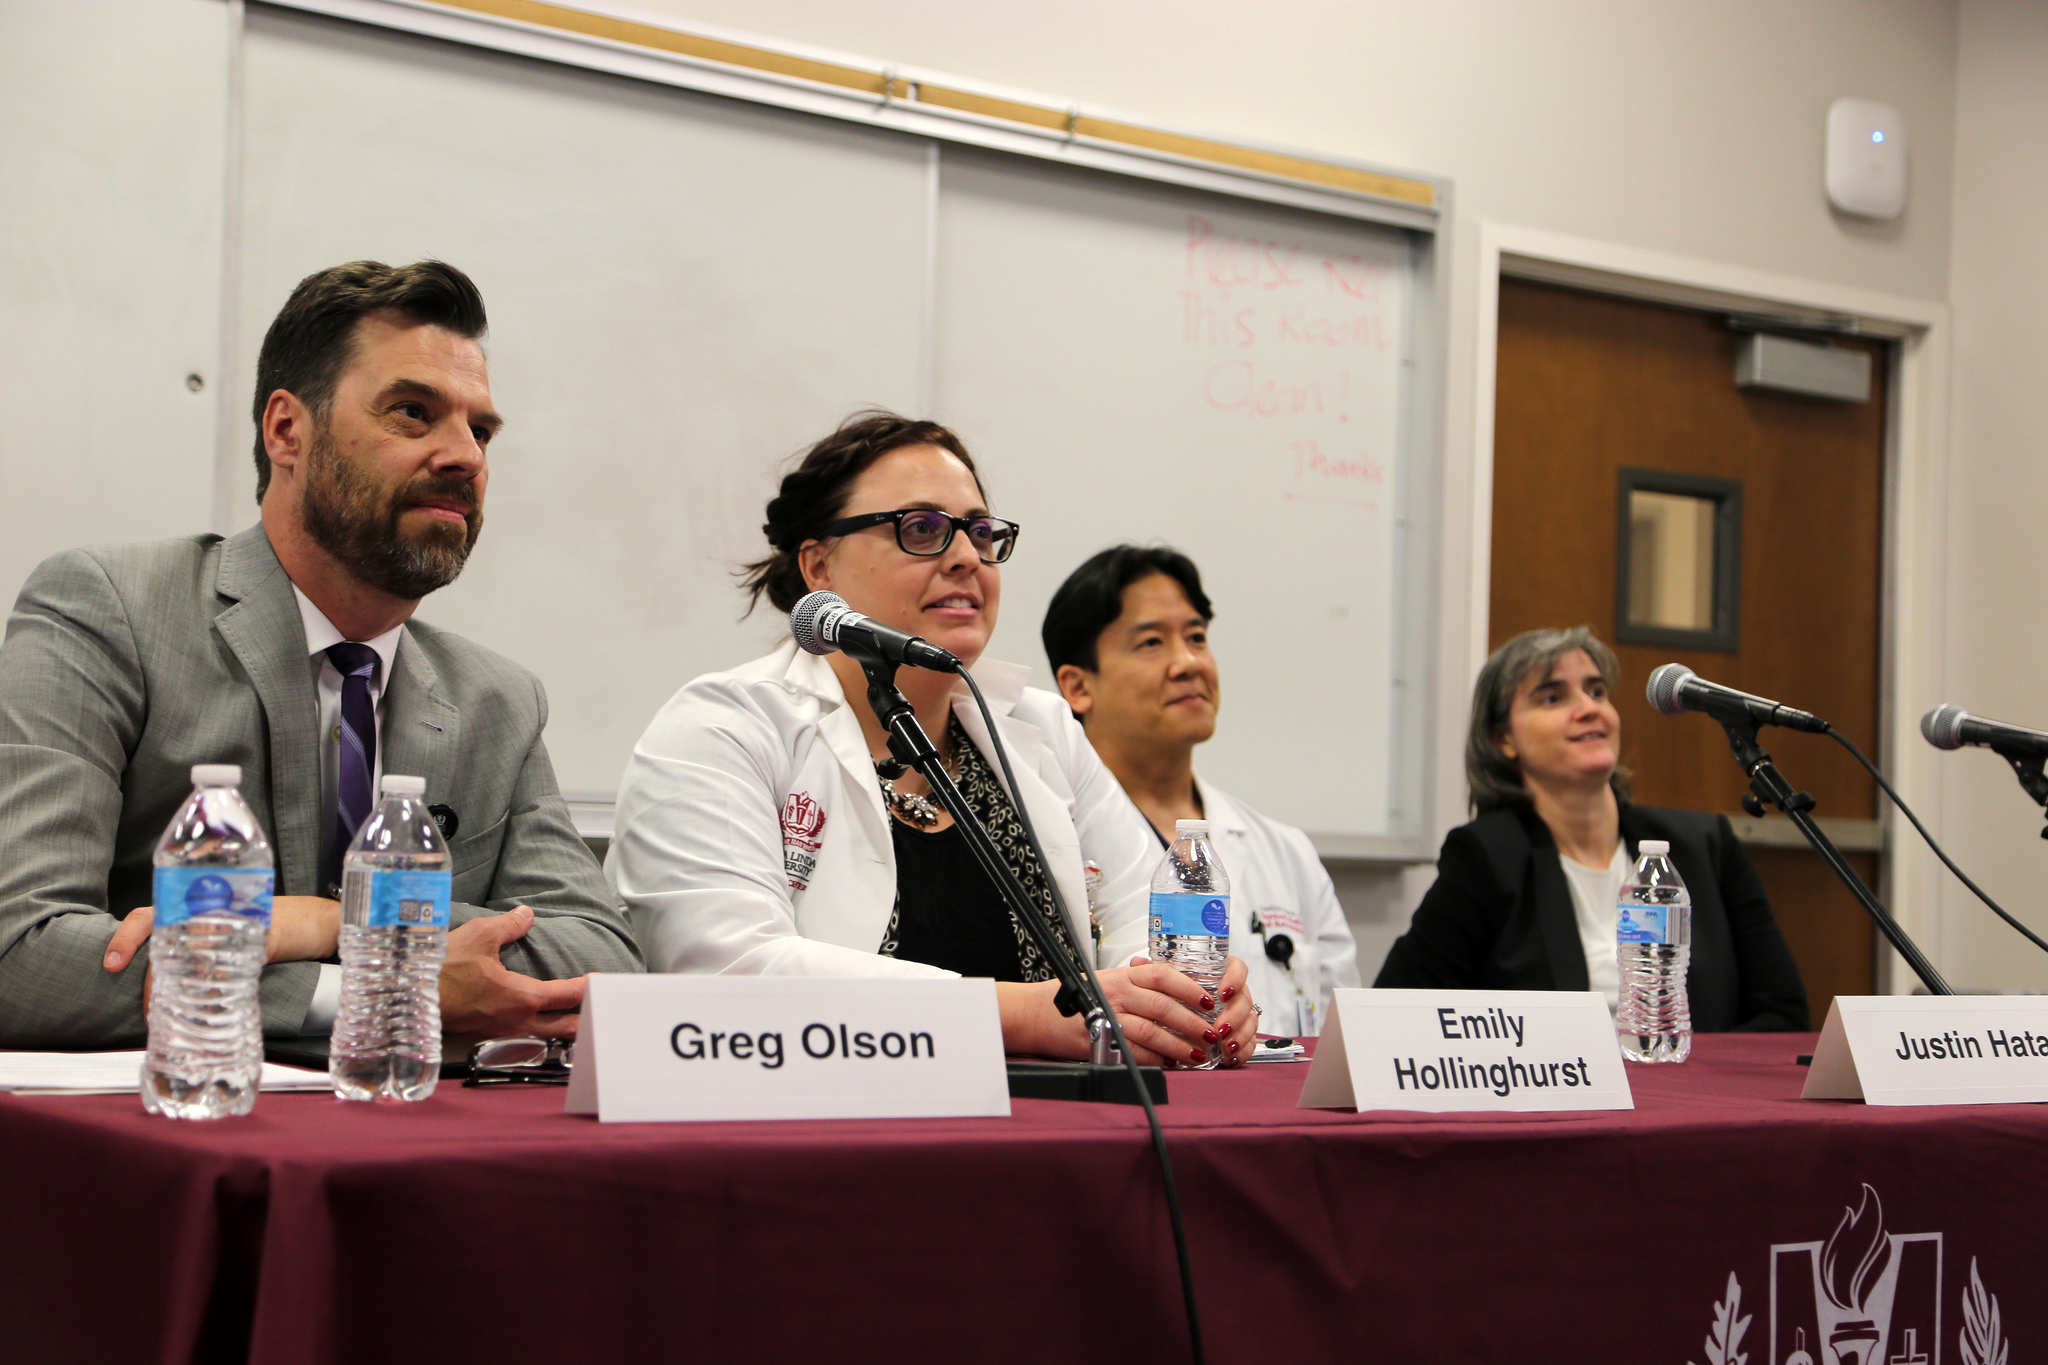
<point x="1233" y="1047"/>
<point x="1207" y="1003"/>
<point x="1229" y="991"/>
<point x="1196" y="1054"/>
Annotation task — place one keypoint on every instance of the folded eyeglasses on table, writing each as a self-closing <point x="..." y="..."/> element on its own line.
<point x="521" y="1061"/>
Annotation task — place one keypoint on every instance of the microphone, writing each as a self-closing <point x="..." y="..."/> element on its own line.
<point x="1675" y="688"/>
<point x="822" y="623"/>
<point x="1951" y="727"/>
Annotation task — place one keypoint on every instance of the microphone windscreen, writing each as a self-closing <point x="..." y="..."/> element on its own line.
<point x="1664" y="685"/>
<point x="807" y="617"/>
<point x="1943" y="726"/>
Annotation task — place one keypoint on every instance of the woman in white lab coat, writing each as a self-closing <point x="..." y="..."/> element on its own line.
<point x="763" y="828"/>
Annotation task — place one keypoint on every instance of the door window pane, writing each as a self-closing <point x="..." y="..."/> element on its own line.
<point x="1677" y="560"/>
<point x="1671" y="560"/>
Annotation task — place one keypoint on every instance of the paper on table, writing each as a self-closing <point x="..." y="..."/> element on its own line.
<point x="114" y="1073"/>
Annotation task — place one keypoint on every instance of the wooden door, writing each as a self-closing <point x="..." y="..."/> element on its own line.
<point x="1590" y="384"/>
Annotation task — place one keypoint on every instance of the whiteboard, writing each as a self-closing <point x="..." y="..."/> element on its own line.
<point x="685" y="290"/>
<point x="1138" y="362"/>
<point x="682" y="291"/>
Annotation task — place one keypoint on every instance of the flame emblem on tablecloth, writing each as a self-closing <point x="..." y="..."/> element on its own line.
<point x="1865" y="1296"/>
<point x="1851" y="1265"/>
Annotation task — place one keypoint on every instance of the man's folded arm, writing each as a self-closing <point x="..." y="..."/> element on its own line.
<point x="72" y="706"/>
<point x="54" y="993"/>
<point x="543" y="863"/>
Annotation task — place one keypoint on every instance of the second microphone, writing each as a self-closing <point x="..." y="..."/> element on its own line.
<point x="822" y="623"/>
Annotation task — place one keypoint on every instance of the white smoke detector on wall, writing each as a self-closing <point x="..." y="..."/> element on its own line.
<point x="1866" y="158"/>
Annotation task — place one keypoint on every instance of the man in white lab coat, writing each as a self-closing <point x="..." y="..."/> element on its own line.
<point x="1128" y="638"/>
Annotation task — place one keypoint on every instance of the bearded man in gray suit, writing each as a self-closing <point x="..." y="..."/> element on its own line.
<point x="123" y="666"/>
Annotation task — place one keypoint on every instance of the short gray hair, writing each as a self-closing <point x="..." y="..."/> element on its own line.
<point x="1496" y="779"/>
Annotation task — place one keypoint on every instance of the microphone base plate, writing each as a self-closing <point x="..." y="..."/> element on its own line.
<point x="1087" y="1082"/>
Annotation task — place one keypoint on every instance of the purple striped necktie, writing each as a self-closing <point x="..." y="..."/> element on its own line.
<point x="356" y="663"/>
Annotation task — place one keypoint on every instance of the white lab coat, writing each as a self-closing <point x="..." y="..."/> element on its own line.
<point x="752" y="837"/>
<point x="1275" y="873"/>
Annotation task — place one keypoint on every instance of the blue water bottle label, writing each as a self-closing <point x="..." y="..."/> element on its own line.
<point x="409" y="899"/>
<point x="183" y="893"/>
<point x="1184" y="913"/>
<point x="1643" y="924"/>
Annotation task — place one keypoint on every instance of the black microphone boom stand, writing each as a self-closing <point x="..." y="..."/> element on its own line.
<point x="1768" y="785"/>
<point x="2032" y="771"/>
<point x="1105" y="1076"/>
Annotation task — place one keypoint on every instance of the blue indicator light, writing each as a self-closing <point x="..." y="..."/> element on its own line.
<point x="1877" y="137"/>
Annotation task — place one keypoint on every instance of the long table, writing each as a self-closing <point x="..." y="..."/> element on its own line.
<point x="488" y="1225"/>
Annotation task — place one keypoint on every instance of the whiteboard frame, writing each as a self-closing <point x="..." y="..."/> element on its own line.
<point x="1412" y="761"/>
<point x="924" y="120"/>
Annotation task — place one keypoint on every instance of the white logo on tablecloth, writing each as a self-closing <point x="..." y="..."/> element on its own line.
<point x="1865" y="1296"/>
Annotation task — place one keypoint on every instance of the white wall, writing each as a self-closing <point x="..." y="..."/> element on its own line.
<point x="110" y="253"/>
<point x="1998" y="488"/>
<point x="1693" y="130"/>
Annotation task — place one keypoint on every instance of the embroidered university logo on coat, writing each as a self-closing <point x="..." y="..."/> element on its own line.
<point x="803" y="825"/>
<point x="1865" y="1296"/>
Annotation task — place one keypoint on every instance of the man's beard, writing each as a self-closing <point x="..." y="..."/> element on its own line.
<point x="347" y="515"/>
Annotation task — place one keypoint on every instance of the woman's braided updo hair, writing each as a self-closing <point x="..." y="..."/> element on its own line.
<point x="813" y="495"/>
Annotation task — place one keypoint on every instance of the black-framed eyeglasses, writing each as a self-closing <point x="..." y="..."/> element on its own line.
<point x="521" y="1061"/>
<point x="928" y="531"/>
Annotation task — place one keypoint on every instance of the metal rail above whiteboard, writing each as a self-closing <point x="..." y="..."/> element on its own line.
<point x="910" y="100"/>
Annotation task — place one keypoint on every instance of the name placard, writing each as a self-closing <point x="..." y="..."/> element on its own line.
<point x="667" y="1048"/>
<point x="1932" y="1049"/>
<point x="1443" y="1051"/>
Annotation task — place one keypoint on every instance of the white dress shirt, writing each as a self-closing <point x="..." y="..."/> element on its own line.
<point x="1596" y="904"/>
<point x="320" y="633"/>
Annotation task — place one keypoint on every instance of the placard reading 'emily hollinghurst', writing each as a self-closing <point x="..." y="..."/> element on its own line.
<point x="1440" y="1051"/>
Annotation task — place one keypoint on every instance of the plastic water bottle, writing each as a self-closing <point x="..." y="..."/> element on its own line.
<point x="213" y="886"/>
<point x="1653" y="942"/>
<point x="1191" y="915"/>
<point x="394" y="932"/>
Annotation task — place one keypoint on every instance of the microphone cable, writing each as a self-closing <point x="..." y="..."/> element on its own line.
<point x="1939" y="852"/>
<point x="1180" y="1234"/>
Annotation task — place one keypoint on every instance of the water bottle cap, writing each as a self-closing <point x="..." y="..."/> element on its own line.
<point x="1650" y="846"/>
<point x="395" y="785"/>
<point x="216" y="774"/>
<point x="1181" y="827"/>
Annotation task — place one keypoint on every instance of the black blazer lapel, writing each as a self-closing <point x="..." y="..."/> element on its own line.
<point x="1551" y="899"/>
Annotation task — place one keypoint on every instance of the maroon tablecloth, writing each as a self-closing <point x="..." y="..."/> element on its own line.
<point x="488" y="1225"/>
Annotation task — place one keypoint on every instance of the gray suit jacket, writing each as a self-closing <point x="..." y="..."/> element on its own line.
<point x="125" y="665"/>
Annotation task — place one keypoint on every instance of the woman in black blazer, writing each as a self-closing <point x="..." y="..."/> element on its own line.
<point x="1542" y="757"/>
